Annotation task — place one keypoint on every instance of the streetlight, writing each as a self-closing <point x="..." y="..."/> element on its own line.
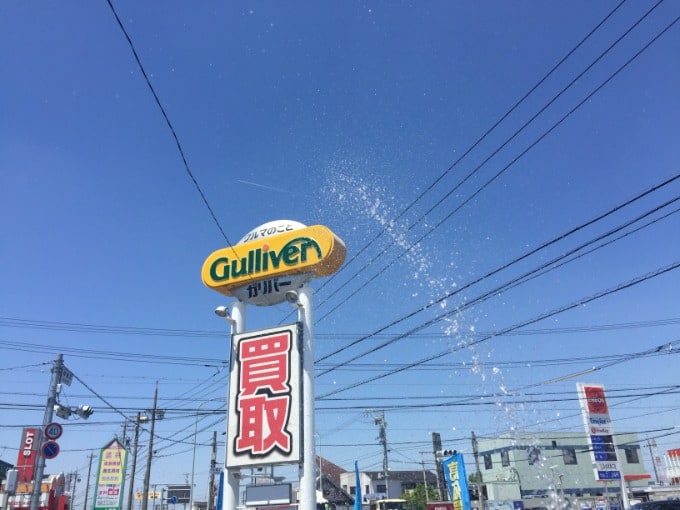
<point x="193" y="457"/>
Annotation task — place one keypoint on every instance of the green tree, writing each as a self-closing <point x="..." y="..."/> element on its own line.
<point x="417" y="497"/>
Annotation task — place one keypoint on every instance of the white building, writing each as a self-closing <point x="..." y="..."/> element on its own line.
<point x="373" y="485"/>
<point x="525" y="466"/>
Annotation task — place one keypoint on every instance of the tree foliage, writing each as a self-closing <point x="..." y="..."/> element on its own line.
<point x="417" y="497"/>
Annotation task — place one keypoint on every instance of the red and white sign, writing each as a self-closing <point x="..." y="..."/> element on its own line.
<point x="599" y="429"/>
<point x="265" y="397"/>
<point x="28" y="454"/>
<point x="595" y="399"/>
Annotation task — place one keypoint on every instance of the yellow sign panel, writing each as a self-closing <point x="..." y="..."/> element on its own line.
<point x="151" y="495"/>
<point x="27" y="488"/>
<point x="314" y="250"/>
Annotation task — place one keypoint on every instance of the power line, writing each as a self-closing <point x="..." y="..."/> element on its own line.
<point x="543" y="316"/>
<point x="506" y="265"/>
<point x="504" y="169"/>
<point x="13" y="322"/>
<point x="477" y="142"/>
<point x="167" y="121"/>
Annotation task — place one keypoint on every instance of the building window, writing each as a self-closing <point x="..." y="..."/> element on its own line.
<point x="352" y="491"/>
<point x="381" y="488"/>
<point x="505" y="458"/>
<point x="632" y="456"/>
<point x="488" y="464"/>
<point x="569" y="456"/>
<point x="534" y="456"/>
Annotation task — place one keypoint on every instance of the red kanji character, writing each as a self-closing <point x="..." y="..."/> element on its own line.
<point x="258" y="415"/>
<point x="264" y="364"/>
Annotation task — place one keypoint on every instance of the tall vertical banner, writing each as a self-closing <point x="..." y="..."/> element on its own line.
<point x="456" y="480"/>
<point x="111" y="477"/>
<point x="358" y="498"/>
<point x="28" y="454"/>
<point x="599" y="430"/>
<point x="265" y="397"/>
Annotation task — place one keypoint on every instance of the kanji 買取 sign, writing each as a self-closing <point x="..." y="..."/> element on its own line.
<point x="265" y="398"/>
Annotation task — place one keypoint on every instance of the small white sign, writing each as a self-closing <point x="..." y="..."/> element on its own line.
<point x="66" y="376"/>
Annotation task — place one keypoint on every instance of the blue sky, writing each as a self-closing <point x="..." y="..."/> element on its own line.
<point x="352" y="115"/>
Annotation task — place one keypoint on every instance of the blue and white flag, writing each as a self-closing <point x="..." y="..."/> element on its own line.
<point x="357" y="493"/>
<point x="456" y="479"/>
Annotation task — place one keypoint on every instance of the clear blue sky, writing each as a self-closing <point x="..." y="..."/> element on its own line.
<point x="341" y="114"/>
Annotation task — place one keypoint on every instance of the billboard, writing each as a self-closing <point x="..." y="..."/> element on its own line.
<point x="599" y="430"/>
<point x="28" y="454"/>
<point x="181" y="492"/>
<point x="265" y="397"/>
<point x="273" y="259"/>
<point x="456" y="479"/>
<point x="111" y="477"/>
<point x="263" y="495"/>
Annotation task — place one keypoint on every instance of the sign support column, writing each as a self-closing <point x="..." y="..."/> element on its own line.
<point x="231" y="487"/>
<point x="307" y="472"/>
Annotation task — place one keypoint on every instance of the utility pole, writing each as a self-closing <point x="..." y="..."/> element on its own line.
<point x="147" y="474"/>
<point x="441" y="482"/>
<point x="213" y="464"/>
<point x="427" y="490"/>
<point x="75" y="482"/>
<point x="478" y="474"/>
<point x="87" y="481"/>
<point x="651" y="454"/>
<point x="57" y="368"/>
<point x="380" y="421"/>
<point x="133" y="469"/>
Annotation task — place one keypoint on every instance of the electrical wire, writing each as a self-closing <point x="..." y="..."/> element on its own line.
<point x="504" y="169"/>
<point x="477" y="142"/>
<point x="169" y="123"/>
<point x="538" y="318"/>
<point x="499" y="269"/>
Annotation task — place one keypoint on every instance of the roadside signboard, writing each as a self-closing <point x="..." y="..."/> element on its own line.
<point x="265" y="404"/>
<point x="599" y="429"/>
<point x="28" y="453"/>
<point x="181" y="493"/>
<point x="111" y="477"/>
<point x="273" y="259"/>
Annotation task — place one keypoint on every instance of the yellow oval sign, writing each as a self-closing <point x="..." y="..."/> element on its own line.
<point x="313" y="249"/>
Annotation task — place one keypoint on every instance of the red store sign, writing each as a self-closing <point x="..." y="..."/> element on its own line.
<point x="28" y="454"/>
<point x="265" y="397"/>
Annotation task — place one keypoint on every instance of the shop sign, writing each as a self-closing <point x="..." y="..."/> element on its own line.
<point x="273" y="259"/>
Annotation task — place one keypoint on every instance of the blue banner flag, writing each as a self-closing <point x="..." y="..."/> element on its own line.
<point x="456" y="479"/>
<point x="357" y="493"/>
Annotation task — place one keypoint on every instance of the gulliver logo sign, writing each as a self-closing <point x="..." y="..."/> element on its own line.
<point x="272" y="259"/>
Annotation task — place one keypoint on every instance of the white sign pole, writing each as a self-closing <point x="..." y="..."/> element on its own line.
<point x="308" y="467"/>
<point x="231" y="485"/>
